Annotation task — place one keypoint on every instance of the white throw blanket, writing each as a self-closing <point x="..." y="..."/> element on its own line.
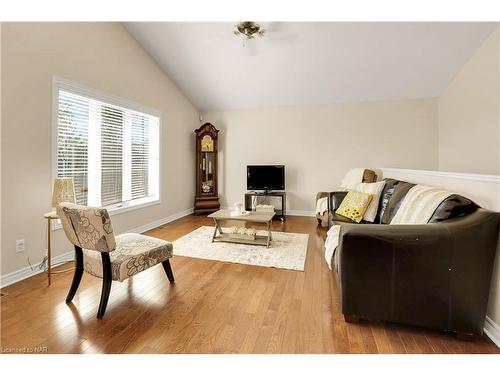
<point x="331" y="242"/>
<point x="322" y="205"/>
<point x="417" y="207"/>
<point x="352" y="178"/>
<point x="419" y="204"/>
<point x="349" y="182"/>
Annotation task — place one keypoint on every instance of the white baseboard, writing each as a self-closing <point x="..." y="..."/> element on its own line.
<point x="492" y="330"/>
<point x="300" y="213"/>
<point x="160" y="222"/>
<point x="24" y="273"/>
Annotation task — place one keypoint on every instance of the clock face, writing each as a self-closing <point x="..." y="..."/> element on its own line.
<point x="207" y="144"/>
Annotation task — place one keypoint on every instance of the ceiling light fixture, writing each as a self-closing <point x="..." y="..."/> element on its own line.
<point x="249" y="29"/>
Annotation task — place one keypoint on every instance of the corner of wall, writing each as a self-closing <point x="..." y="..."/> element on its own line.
<point x="468" y="112"/>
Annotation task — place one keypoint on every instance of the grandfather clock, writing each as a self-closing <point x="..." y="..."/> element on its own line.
<point x="206" y="200"/>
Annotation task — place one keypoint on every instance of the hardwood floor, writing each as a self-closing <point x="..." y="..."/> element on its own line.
<point x="214" y="307"/>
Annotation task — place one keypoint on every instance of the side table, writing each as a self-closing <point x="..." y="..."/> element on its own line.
<point x="52" y="216"/>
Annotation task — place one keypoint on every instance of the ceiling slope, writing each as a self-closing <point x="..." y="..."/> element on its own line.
<point x="299" y="63"/>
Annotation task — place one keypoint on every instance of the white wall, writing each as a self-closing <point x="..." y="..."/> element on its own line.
<point x="102" y="56"/>
<point x="469" y="114"/>
<point x="319" y="144"/>
<point x="469" y="135"/>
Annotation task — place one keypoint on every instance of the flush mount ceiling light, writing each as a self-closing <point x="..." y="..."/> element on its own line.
<point x="249" y="29"/>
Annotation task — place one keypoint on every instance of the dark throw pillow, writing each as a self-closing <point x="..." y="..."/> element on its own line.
<point x="453" y="206"/>
<point x="395" y="201"/>
<point x="390" y="185"/>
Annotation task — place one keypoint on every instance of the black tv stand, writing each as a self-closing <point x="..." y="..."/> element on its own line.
<point x="281" y="195"/>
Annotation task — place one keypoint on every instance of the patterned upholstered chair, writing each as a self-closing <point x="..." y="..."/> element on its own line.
<point x="100" y="253"/>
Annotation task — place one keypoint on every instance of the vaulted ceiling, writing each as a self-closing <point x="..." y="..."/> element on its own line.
<point x="303" y="63"/>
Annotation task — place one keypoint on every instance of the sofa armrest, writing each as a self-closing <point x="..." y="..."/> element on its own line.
<point x="386" y="271"/>
<point x="433" y="275"/>
<point x="336" y="197"/>
<point x="322" y="194"/>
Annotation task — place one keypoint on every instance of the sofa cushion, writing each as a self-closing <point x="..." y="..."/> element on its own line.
<point x="336" y="199"/>
<point x="354" y="205"/>
<point x="390" y="185"/>
<point x="375" y="189"/>
<point x="453" y="206"/>
<point x="395" y="201"/>
<point x="133" y="254"/>
<point x="338" y="219"/>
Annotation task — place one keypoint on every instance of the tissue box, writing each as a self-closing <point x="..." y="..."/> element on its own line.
<point x="264" y="208"/>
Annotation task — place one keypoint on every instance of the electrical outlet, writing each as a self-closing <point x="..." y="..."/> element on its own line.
<point x="20" y="245"/>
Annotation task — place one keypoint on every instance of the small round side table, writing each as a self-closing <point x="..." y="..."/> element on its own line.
<point x="52" y="216"/>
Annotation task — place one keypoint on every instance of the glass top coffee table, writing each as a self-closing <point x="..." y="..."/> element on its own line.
<point x="255" y="217"/>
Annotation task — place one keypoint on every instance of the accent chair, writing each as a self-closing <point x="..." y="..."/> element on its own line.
<point x="100" y="253"/>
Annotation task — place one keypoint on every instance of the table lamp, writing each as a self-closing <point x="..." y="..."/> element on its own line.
<point x="64" y="191"/>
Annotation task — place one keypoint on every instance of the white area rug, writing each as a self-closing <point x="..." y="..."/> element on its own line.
<point x="287" y="250"/>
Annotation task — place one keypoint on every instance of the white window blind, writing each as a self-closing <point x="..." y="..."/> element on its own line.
<point x="72" y="142"/>
<point x="111" y="155"/>
<point x="111" y="151"/>
<point x="140" y="157"/>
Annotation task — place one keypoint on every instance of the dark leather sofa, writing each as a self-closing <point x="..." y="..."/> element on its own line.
<point x="435" y="275"/>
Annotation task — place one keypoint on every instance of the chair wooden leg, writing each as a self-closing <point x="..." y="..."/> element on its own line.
<point x="106" y="284"/>
<point x="168" y="271"/>
<point x="77" y="277"/>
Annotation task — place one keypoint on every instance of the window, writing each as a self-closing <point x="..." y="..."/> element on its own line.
<point x="109" y="147"/>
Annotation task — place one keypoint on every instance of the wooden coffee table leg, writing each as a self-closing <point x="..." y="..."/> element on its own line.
<point x="268" y="233"/>
<point x="215" y="230"/>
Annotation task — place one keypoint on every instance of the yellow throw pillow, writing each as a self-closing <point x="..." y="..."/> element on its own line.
<point x="354" y="205"/>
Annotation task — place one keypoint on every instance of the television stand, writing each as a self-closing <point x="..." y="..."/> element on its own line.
<point x="254" y="198"/>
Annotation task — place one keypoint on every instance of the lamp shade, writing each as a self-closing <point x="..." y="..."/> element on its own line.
<point x="64" y="191"/>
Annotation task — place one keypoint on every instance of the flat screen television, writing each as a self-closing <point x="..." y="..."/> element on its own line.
<point x="265" y="177"/>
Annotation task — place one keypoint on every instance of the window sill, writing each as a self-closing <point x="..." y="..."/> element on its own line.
<point x="122" y="208"/>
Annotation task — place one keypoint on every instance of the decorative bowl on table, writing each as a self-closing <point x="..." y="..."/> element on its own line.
<point x="239" y="213"/>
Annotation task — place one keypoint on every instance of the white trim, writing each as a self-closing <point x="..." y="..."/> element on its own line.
<point x="492" y="330"/>
<point x="79" y="89"/>
<point x="59" y="83"/>
<point x="162" y="221"/>
<point x="121" y="208"/>
<point x="300" y="213"/>
<point x="457" y="175"/>
<point x="24" y="273"/>
<point x="62" y="83"/>
<point x="132" y="205"/>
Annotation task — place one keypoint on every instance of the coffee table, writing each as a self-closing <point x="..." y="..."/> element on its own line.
<point x="255" y="217"/>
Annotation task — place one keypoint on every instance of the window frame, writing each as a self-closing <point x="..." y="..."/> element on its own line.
<point x="59" y="83"/>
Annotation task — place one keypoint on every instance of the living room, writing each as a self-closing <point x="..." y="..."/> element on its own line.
<point x="308" y="187"/>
